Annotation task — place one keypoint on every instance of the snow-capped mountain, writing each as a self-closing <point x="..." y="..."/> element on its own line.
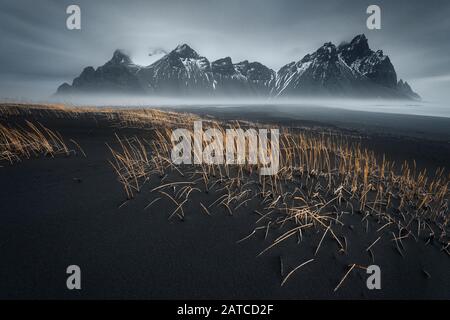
<point x="182" y="71"/>
<point x="350" y="69"/>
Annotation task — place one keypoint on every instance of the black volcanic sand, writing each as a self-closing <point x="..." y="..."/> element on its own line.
<point x="423" y="127"/>
<point x="63" y="211"/>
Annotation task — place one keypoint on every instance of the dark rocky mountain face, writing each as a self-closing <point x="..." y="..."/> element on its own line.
<point x="351" y="69"/>
<point x="223" y="67"/>
<point x="118" y="74"/>
<point x="321" y="72"/>
<point x="373" y="65"/>
<point x="403" y="86"/>
<point x="254" y="71"/>
<point x="180" y="72"/>
<point x="243" y="78"/>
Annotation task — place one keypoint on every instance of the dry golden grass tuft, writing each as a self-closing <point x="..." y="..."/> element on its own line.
<point x="143" y="118"/>
<point x="29" y="141"/>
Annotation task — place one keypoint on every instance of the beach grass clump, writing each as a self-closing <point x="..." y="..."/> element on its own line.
<point x="30" y="140"/>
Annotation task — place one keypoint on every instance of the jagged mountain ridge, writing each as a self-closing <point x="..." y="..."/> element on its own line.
<point x="350" y="69"/>
<point x="182" y="72"/>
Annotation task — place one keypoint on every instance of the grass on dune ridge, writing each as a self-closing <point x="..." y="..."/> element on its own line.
<point x="31" y="140"/>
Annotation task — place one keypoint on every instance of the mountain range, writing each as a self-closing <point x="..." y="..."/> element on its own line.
<point x="348" y="70"/>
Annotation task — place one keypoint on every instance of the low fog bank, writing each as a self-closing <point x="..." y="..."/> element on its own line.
<point x="405" y="107"/>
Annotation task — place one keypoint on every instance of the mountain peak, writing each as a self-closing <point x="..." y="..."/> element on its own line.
<point x="185" y="51"/>
<point x="242" y="63"/>
<point x="358" y="48"/>
<point x="223" y="66"/>
<point x="324" y="53"/>
<point x="406" y="89"/>
<point x="360" y="38"/>
<point x="226" y="60"/>
<point x="120" y="57"/>
<point x="360" y="43"/>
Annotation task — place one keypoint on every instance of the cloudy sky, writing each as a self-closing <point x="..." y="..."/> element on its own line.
<point x="38" y="52"/>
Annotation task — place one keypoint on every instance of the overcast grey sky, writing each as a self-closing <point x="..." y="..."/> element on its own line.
<point x="37" y="52"/>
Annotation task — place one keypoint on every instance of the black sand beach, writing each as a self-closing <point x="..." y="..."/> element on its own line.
<point x="61" y="211"/>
